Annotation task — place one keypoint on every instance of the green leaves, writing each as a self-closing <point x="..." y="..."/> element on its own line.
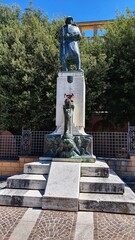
<point x="120" y="48"/>
<point x="28" y="67"/>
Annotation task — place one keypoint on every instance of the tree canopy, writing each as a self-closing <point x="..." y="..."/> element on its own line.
<point x="119" y="44"/>
<point x="28" y="68"/>
<point x="29" y="64"/>
<point x="109" y="65"/>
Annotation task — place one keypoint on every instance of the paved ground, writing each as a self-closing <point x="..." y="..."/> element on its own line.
<point x="114" y="226"/>
<point x="56" y="225"/>
<point x="9" y="218"/>
<point x="18" y="223"/>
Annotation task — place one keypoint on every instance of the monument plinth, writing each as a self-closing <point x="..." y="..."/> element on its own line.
<point x="71" y="83"/>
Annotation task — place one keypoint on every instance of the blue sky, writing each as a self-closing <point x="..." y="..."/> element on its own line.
<point x="80" y="10"/>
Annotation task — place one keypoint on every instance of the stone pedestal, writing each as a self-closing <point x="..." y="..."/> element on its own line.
<point x="71" y="83"/>
<point x="69" y="139"/>
<point x="79" y="147"/>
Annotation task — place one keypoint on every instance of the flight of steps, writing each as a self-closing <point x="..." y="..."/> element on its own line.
<point x="102" y="190"/>
<point x="28" y="188"/>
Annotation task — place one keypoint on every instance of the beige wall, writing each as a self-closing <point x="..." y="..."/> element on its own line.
<point x="9" y="168"/>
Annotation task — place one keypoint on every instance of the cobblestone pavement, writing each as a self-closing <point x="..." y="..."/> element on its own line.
<point x="58" y="225"/>
<point x="9" y="218"/>
<point x="108" y="226"/>
<point x="54" y="225"/>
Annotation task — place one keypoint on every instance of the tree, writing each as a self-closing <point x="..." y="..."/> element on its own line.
<point x="109" y="66"/>
<point x="119" y="47"/>
<point x="28" y="69"/>
<point x="95" y="68"/>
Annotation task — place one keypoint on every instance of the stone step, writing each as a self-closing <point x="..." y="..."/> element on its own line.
<point x="41" y="167"/>
<point x="112" y="184"/>
<point x="115" y="203"/>
<point x="97" y="169"/>
<point x="21" y="197"/>
<point x="27" y="181"/>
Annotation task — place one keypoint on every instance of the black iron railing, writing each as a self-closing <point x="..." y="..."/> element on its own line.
<point x="106" y="144"/>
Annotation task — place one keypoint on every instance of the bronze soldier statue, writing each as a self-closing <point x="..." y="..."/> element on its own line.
<point x="69" y="50"/>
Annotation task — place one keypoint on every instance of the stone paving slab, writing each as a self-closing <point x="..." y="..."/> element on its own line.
<point x="26" y="224"/>
<point x="84" y="226"/>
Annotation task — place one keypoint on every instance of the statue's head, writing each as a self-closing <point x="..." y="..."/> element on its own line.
<point x="69" y="20"/>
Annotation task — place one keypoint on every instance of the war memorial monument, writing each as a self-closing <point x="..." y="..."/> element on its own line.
<point x="68" y="176"/>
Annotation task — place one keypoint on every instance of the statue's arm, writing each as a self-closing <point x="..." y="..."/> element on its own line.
<point x="78" y="34"/>
<point x="75" y="35"/>
<point x="62" y="34"/>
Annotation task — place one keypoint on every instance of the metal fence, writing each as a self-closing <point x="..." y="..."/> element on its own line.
<point x="33" y="142"/>
<point x="107" y="144"/>
<point x="131" y="131"/>
<point x="37" y="142"/>
<point x="10" y="147"/>
<point x="110" y="144"/>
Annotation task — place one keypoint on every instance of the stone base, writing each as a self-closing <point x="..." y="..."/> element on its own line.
<point x="78" y="146"/>
<point x="88" y="159"/>
<point x="64" y="183"/>
<point x="74" y="160"/>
